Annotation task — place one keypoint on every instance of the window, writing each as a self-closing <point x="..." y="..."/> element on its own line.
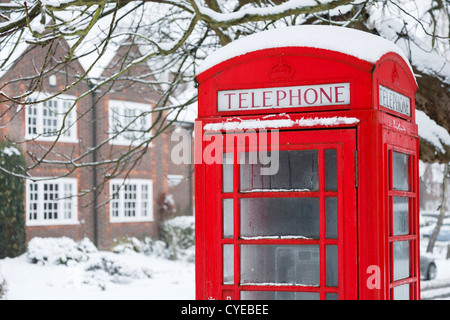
<point x="284" y="235"/>
<point x="131" y="200"/>
<point x="52" y="202"/>
<point x="129" y="122"/>
<point x="44" y="120"/>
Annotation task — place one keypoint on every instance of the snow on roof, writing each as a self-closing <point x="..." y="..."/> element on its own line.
<point x="423" y="56"/>
<point x="9" y="53"/>
<point x="359" y="44"/>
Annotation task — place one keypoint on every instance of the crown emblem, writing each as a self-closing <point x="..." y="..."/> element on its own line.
<point x="395" y="75"/>
<point x="281" y="71"/>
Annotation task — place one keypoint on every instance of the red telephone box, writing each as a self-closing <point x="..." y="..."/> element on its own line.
<point x="307" y="169"/>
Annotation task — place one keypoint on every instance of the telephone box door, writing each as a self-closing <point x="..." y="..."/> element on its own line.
<point x="281" y="216"/>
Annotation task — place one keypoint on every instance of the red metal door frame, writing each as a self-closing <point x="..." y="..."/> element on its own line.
<point x="344" y="141"/>
<point x="406" y="145"/>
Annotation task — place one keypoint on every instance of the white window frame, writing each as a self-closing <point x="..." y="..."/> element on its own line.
<point x="118" y="111"/>
<point x="120" y="210"/>
<point x="54" y="110"/>
<point x="40" y="208"/>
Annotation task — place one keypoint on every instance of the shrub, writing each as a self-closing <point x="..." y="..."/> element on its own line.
<point x="148" y="246"/>
<point x="155" y="247"/>
<point x="126" y="244"/>
<point x="62" y="250"/>
<point x="12" y="191"/>
<point x="86" y="246"/>
<point x="179" y="235"/>
<point x="102" y="270"/>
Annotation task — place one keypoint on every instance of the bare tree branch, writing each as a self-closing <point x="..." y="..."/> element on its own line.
<point x="170" y="38"/>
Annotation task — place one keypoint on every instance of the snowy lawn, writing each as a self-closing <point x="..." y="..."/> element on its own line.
<point x="62" y="269"/>
<point x="169" y="280"/>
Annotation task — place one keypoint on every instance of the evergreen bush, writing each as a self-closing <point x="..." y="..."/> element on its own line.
<point x="125" y="244"/>
<point x="12" y="191"/>
<point x="179" y="235"/>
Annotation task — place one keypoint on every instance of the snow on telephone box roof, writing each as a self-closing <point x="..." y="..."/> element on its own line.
<point x="362" y="45"/>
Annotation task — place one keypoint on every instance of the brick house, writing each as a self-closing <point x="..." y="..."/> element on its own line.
<point x="129" y="187"/>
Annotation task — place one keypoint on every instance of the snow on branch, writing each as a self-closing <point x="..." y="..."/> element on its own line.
<point x="412" y="35"/>
<point x="291" y="7"/>
<point x="431" y="132"/>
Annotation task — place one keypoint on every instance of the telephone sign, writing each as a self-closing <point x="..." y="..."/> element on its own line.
<point x="283" y="97"/>
<point x="395" y="101"/>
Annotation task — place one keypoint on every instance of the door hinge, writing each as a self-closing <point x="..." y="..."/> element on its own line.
<point x="356" y="168"/>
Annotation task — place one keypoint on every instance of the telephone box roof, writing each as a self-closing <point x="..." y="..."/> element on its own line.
<point x="362" y="45"/>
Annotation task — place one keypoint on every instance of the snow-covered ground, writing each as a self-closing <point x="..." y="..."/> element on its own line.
<point x="62" y="269"/>
<point x="169" y="280"/>
<point x="101" y="275"/>
<point x="129" y="275"/>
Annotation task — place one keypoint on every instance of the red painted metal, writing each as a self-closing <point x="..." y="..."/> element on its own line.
<point x="365" y="166"/>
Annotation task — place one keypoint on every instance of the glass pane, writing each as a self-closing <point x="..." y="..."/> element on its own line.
<point x="401" y="260"/>
<point x="279" y="295"/>
<point x="330" y="170"/>
<point x="332" y="266"/>
<point x="401" y="215"/>
<point x="280" y="264"/>
<point x="227" y="170"/>
<point x="298" y="171"/>
<point x="400" y="171"/>
<point x="228" y="264"/>
<point x="228" y="218"/>
<point x="332" y="296"/>
<point x="280" y="217"/>
<point x="331" y="218"/>
<point x="401" y="292"/>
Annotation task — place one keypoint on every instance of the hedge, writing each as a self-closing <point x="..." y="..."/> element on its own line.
<point x="12" y="191"/>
